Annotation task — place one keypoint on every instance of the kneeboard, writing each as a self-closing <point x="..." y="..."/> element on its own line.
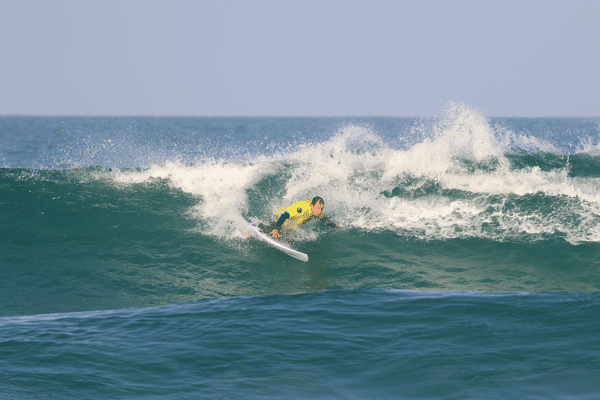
<point x="277" y="244"/>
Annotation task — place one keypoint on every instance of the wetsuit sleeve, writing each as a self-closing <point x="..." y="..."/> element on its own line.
<point x="329" y="222"/>
<point x="281" y="220"/>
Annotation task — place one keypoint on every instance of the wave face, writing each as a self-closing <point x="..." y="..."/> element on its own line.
<point x="103" y="214"/>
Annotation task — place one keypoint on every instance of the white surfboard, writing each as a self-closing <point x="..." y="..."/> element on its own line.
<point x="277" y="244"/>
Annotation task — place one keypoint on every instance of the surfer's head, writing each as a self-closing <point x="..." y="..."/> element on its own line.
<point x="316" y="205"/>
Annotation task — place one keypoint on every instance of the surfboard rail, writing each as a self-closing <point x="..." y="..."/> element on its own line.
<point x="277" y="244"/>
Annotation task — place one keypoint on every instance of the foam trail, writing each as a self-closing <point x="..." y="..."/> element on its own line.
<point x="220" y="187"/>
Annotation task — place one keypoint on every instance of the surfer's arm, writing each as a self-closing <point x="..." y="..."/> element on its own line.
<point x="280" y="222"/>
<point x="282" y="218"/>
<point x="329" y="222"/>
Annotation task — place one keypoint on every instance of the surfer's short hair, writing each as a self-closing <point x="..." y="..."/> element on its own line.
<point x="316" y="200"/>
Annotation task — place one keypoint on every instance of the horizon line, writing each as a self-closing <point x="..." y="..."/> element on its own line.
<point x="275" y="116"/>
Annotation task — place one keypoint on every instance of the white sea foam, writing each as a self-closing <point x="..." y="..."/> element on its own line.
<point x="220" y="187"/>
<point x="354" y="169"/>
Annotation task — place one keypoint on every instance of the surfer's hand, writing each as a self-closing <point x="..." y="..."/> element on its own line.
<point x="275" y="233"/>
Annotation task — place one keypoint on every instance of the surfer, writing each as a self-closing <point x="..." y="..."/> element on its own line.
<point x="299" y="213"/>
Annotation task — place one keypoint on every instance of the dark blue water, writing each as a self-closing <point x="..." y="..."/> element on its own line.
<point x="364" y="343"/>
<point x="466" y="265"/>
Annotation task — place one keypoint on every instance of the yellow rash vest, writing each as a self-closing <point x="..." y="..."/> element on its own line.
<point x="300" y="212"/>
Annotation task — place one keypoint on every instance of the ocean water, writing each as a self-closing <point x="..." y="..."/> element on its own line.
<point x="466" y="265"/>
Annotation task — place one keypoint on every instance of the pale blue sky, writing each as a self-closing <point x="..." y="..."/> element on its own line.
<point x="309" y="58"/>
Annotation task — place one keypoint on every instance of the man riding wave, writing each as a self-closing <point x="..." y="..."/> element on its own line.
<point x="299" y="213"/>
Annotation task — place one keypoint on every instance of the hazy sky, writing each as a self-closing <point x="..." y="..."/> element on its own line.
<point x="309" y="58"/>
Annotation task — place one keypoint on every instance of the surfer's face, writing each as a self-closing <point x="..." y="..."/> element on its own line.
<point x="317" y="208"/>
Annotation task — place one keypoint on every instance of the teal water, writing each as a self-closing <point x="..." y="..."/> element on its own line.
<point x="466" y="265"/>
